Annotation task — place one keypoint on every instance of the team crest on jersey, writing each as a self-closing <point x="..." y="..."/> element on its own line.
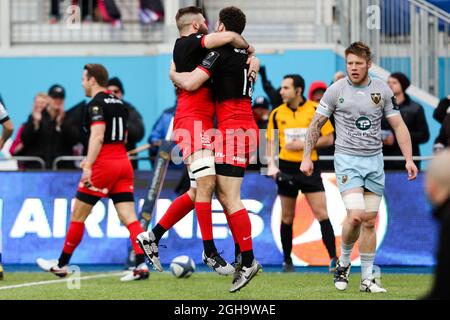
<point x="95" y="110"/>
<point x="376" y="97"/>
<point x="341" y="100"/>
<point x="344" y="179"/>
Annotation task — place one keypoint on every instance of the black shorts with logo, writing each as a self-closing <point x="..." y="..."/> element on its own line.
<point x="291" y="180"/>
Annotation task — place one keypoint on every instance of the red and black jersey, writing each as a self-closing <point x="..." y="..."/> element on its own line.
<point x="187" y="55"/>
<point x="189" y="52"/>
<point x="106" y="108"/>
<point x="230" y="80"/>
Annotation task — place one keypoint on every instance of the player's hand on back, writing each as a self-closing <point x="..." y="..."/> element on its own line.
<point x="412" y="170"/>
<point x="253" y="69"/>
<point x="172" y="71"/>
<point x="307" y="166"/>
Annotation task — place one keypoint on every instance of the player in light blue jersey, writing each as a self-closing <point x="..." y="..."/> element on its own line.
<point x="358" y="103"/>
<point x="7" y="131"/>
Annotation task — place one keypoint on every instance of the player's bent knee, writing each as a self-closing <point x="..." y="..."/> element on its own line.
<point x="369" y="224"/>
<point x="356" y="221"/>
<point x="372" y="202"/>
<point x="122" y="197"/>
<point x="354" y="201"/>
<point x="203" y="167"/>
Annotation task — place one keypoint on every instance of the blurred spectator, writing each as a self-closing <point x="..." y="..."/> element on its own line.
<point x="91" y="10"/>
<point x="437" y="187"/>
<point x="272" y="93"/>
<point x="150" y="11"/>
<point x="316" y="90"/>
<point x="414" y="117"/>
<point x="43" y="134"/>
<point x="87" y="9"/>
<point x="159" y="132"/>
<point x="136" y="128"/>
<point x="261" y="112"/>
<point x="76" y="137"/>
<point x="338" y="76"/>
<point x="442" y="115"/>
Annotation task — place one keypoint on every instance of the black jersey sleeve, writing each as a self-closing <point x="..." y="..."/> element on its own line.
<point x="211" y="61"/>
<point x="195" y="42"/>
<point x="95" y="113"/>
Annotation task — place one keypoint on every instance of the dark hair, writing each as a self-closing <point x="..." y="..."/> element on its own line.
<point x="233" y="19"/>
<point x="298" y="80"/>
<point x="117" y="83"/>
<point x="98" y="72"/>
<point x="184" y="11"/>
<point x="359" y="49"/>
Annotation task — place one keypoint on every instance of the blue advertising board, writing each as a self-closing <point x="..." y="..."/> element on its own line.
<point x="35" y="213"/>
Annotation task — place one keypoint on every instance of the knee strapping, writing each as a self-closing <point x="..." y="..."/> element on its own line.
<point x="192" y="179"/>
<point x="203" y="167"/>
<point x="354" y="201"/>
<point x="372" y="202"/>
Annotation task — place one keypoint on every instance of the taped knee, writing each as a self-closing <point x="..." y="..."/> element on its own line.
<point x="192" y="179"/>
<point x="203" y="167"/>
<point x="354" y="201"/>
<point x="372" y="202"/>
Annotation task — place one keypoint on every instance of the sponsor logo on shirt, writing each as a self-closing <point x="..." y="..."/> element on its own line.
<point x="363" y="123"/>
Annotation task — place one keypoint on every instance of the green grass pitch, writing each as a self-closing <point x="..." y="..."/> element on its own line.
<point x="209" y="286"/>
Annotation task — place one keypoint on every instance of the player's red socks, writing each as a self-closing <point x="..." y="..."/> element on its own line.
<point x="240" y="223"/>
<point x="237" y="249"/>
<point x="73" y="239"/>
<point x="204" y="217"/>
<point x="179" y="208"/>
<point x="74" y="236"/>
<point x="135" y="228"/>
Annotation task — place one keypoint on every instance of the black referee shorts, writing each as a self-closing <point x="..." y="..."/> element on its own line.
<point x="292" y="180"/>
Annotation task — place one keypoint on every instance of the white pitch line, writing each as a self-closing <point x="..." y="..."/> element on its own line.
<point x="30" y="284"/>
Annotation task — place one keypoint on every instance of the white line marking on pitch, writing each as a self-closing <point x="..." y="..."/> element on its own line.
<point x="30" y="284"/>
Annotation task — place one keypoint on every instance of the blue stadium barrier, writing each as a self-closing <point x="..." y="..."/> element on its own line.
<point x="35" y="212"/>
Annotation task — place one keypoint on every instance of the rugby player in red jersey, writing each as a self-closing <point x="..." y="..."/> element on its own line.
<point x="237" y="135"/>
<point x="193" y="127"/>
<point x="107" y="172"/>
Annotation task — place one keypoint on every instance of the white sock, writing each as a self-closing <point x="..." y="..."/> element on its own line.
<point x="346" y="251"/>
<point x="367" y="265"/>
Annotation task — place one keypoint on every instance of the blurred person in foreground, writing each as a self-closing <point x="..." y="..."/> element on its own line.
<point x="437" y="187"/>
<point x="7" y="131"/>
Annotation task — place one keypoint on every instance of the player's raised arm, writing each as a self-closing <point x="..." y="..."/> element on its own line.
<point x="219" y="39"/>
<point x="404" y="141"/>
<point x="189" y="81"/>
